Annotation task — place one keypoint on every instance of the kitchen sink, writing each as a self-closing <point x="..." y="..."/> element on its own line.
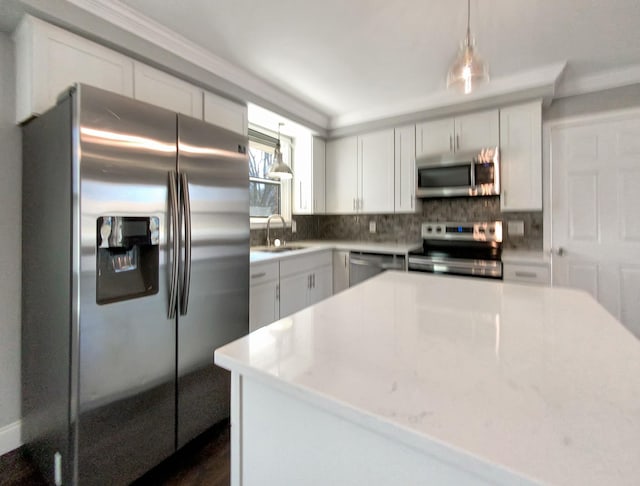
<point x="277" y="249"/>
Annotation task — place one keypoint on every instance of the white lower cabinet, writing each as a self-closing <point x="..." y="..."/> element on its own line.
<point x="538" y="274"/>
<point x="264" y="302"/>
<point x="340" y="270"/>
<point x="304" y="281"/>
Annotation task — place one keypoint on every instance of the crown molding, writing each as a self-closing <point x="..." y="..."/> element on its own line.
<point x="132" y="21"/>
<point x="614" y="78"/>
<point x="539" y="83"/>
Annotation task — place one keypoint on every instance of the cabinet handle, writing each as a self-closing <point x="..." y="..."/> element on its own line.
<point x="354" y="203"/>
<point x="301" y="195"/>
<point x="526" y="274"/>
<point x="345" y="260"/>
<point x="277" y="291"/>
<point x="450" y="143"/>
<point x="313" y="281"/>
<point x="258" y="275"/>
<point x="457" y="142"/>
<point x="308" y="281"/>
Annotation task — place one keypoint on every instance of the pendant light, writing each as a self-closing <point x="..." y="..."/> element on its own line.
<point x="468" y="69"/>
<point x="279" y="170"/>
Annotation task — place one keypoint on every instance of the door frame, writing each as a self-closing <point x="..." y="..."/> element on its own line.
<point x="547" y="165"/>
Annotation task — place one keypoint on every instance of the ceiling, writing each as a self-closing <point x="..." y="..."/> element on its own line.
<point x="344" y="58"/>
<point x="347" y="56"/>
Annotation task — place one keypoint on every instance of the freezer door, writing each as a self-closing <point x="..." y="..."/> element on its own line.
<point x="126" y="342"/>
<point x="214" y="278"/>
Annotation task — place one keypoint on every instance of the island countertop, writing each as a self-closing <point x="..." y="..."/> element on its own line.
<point x="540" y="382"/>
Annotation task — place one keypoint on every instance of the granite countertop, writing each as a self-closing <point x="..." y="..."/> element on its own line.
<point x="538" y="382"/>
<point x="310" y="246"/>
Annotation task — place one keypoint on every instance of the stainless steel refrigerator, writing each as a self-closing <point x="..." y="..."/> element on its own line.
<point x="135" y="269"/>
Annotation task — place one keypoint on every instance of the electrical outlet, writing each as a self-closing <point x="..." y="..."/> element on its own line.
<point x="515" y="228"/>
<point x="372" y="226"/>
<point x="294" y="227"/>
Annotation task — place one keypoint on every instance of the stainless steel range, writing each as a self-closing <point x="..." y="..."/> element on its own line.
<point x="472" y="249"/>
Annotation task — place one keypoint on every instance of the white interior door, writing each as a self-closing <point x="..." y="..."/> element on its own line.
<point x="596" y="210"/>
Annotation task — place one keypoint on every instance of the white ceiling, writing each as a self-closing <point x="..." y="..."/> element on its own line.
<point x="354" y="60"/>
<point x="343" y="56"/>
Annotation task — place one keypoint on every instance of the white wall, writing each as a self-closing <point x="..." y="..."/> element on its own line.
<point x="10" y="243"/>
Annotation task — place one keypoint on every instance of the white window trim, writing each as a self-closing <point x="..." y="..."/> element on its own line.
<point x="285" y="193"/>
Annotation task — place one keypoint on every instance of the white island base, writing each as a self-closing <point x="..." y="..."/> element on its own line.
<point x="412" y="379"/>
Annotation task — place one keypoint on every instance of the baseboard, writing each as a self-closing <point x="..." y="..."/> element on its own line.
<point x="10" y="437"/>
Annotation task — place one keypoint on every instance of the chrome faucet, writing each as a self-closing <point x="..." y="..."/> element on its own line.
<point x="268" y="227"/>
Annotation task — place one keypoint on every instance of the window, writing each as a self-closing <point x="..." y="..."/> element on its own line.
<point x="264" y="193"/>
<point x="266" y="196"/>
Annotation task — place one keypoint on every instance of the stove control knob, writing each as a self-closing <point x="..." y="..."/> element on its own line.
<point x="429" y="229"/>
<point x="480" y="230"/>
<point x="492" y="230"/>
<point x="439" y="229"/>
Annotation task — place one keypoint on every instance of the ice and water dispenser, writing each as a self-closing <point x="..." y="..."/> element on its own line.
<point x="128" y="258"/>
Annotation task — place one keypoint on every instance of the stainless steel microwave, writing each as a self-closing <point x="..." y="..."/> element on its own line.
<point x="461" y="174"/>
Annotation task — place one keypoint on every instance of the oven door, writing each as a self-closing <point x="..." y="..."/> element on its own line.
<point x="456" y="266"/>
<point x="437" y="178"/>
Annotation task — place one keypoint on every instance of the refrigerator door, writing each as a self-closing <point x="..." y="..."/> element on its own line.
<point x="125" y="366"/>
<point x="214" y="278"/>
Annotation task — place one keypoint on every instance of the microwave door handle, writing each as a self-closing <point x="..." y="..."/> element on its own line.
<point x="473" y="174"/>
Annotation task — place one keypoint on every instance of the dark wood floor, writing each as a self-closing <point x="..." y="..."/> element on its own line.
<point x="205" y="461"/>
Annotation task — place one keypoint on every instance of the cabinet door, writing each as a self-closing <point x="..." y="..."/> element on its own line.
<point x="377" y="172"/>
<point x="302" y="184"/>
<point x="405" y="170"/>
<point x="434" y="137"/>
<point x="161" y="89"/>
<point x="225" y="113"/>
<point x="340" y="270"/>
<point x="263" y="304"/>
<point x="521" y="157"/>
<point x="318" y="156"/>
<point x="49" y="60"/>
<point x="321" y="284"/>
<point x="341" y="183"/>
<point x="477" y="130"/>
<point x="294" y="292"/>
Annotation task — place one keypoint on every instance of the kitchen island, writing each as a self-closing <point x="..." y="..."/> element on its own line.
<point x="412" y="378"/>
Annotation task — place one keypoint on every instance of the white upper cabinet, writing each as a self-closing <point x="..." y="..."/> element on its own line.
<point x="376" y="167"/>
<point x="225" y="113"/>
<point x="434" y="137"/>
<point x="49" y="60"/>
<point x="462" y="133"/>
<point x="405" y="169"/>
<point x="162" y="89"/>
<point x="521" y="157"/>
<point x="309" y="175"/>
<point x="360" y="174"/>
<point x="341" y="182"/>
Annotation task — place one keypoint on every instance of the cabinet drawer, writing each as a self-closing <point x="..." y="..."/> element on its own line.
<point x="263" y="272"/>
<point x="535" y="274"/>
<point x="304" y="263"/>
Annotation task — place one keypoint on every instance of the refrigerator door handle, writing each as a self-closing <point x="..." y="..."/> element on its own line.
<point x="186" y="204"/>
<point x="173" y="210"/>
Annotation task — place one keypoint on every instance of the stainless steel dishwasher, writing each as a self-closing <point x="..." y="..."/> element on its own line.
<point x="366" y="265"/>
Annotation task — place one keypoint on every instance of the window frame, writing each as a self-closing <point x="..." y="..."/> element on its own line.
<point x="285" y="186"/>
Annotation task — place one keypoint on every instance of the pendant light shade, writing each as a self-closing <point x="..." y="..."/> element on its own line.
<point x="279" y="171"/>
<point x="467" y="70"/>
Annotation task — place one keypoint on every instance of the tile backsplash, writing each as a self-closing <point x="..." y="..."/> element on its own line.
<point x="405" y="228"/>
